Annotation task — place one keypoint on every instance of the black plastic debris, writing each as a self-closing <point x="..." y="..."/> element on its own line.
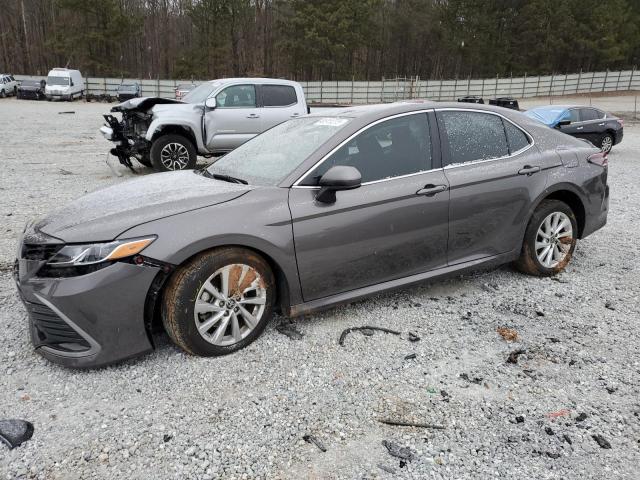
<point x="549" y="430"/>
<point x="608" y="304"/>
<point x="567" y="438"/>
<point x="600" y="440"/>
<point x="66" y="113"/>
<point x="413" y="337"/>
<point x="366" y="327"/>
<point x="289" y="329"/>
<point x="553" y="455"/>
<point x="411" y="356"/>
<point x="15" y="432"/>
<point x="476" y="380"/>
<point x="581" y="417"/>
<point x="520" y="419"/>
<point x="395" y="450"/>
<point x="404" y="423"/>
<point x="313" y="440"/>
<point x="166" y="438"/>
<point x="513" y="356"/>
<point x="445" y="395"/>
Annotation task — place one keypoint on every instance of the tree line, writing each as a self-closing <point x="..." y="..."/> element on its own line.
<point x="318" y="39"/>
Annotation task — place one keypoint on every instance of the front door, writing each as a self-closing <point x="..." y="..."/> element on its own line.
<point x="393" y="226"/>
<point x="235" y="119"/>
<point x="494" y="175"/>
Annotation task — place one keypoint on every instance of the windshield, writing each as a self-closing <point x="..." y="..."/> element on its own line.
<point x="200" y="93"/>
<point x="127" y="86"/>
<point x="268" y="158"/>
<point x="548" y="115"/>
<point x="30" y="83"/>
<point x="58" y="80"/>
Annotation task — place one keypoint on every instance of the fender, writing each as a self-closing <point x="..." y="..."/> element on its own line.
<point x="558" y="187"/>
<point x="194" y="128"/>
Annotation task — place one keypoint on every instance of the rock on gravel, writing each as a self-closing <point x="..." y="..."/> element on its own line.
<point x="171" y="415"/>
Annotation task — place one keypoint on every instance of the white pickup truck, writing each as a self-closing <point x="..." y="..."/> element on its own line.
<point x="212" y="119"/>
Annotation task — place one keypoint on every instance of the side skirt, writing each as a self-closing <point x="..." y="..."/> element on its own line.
<point x="353" y="295"/>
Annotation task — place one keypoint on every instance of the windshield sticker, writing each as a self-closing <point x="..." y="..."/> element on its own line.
<point x="331" y="122"/>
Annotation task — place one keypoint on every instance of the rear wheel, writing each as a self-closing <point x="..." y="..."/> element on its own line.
<point x="550" y="239"/>
<point x="606" y="142"/>
<point x="219" y="302"/>
<point x="173" y="152"/>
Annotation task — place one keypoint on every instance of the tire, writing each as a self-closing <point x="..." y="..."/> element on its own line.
<point x="606" y="142"/>
<point x="190" y="286"/>
<point x="533" y="261"/>
<point x="167" y="145"/>
<point x="3" y="94"/>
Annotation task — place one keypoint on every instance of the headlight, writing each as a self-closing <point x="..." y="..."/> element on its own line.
<point x="90" y="254"/>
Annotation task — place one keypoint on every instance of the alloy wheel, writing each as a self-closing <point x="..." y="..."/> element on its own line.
<point x="174" y="156"/>
<point x="607" y="143"/>
<point x="230" y="304"/>
<point x="554" y="239"/>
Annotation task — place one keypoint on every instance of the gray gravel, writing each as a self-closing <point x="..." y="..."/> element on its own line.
<point x="170" y="415"/>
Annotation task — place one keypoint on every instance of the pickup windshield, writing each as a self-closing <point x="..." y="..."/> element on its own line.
<point x="200" y="93"/>
<point x="268" y="158"/>
<point x="58" y="81"/>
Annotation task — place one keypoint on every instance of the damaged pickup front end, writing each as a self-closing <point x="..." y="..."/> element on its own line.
<point x="131" y="134"/>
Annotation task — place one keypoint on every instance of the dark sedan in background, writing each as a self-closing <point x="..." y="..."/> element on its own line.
<point x="32" y="89"/>
<point x="602" y="129"/>
<point x="320" y="210"/>
<point x="127" y="91"/>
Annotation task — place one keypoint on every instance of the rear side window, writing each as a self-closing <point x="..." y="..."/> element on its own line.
<point x="587" y="114"/>
<point x="473" y="136"/>
<point x="278" y="95"/>
<point x="516" y="138"/>
<point x="396" y="147"/>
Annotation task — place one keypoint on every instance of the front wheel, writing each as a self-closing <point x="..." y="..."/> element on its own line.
<point x="173" y="152"/>
<point x="3" y="94"/>
<point x="549" y="241"/>
<point x="219" y="302"/>
<point x="606" y="142"/>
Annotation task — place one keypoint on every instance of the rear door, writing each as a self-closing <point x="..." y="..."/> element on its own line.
<point x="392" y="226"/>
<point x="235" y="119"/>
<point x="592" y="124"/>
<point x="279" y="103"/>
<point x="494" y="173"/>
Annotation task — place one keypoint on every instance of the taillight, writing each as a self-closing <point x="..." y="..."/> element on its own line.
<point x="621" y="122"/>
<point x="599" y="158"/>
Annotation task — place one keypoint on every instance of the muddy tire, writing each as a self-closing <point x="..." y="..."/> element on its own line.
<point x="173" y="152"/>
<point x="206" y="315"/>
<point x="549" y="241"/>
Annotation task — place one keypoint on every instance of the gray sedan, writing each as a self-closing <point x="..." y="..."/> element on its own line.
<point x="317" y="211"/>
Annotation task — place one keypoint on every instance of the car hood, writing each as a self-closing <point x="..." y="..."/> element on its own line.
<point x="29" y="88"/>
<point x="105" y="214"/>
<point x="143" y="104"/>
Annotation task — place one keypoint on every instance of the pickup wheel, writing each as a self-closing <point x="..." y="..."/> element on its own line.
<point x="173" y="152"/>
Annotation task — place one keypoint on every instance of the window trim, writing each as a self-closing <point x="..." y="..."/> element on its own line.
<point x="255" y="94"/>
<point x="489" y="112"/>
<point x="296" y="184"/>
<point x="277" y="85"/>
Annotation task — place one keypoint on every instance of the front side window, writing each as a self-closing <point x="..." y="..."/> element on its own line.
<point x="574" y="115"/>
<point x="237" y="96"/>
<point x="473" y="136"/>
<point x="393" y="148"/>
<point x="278" y="95"/>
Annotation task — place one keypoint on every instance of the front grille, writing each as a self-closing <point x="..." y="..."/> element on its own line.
<point x="39" y="252"/>
<point x="53" y="331"/>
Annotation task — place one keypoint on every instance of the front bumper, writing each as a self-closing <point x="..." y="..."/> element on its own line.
<point x="89" y="320"/>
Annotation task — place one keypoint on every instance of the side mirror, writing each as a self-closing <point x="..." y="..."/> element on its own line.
<point x="72" y="83"/>
<point x="563" y="123"/>
<point x="340" y="177"/>
<point x="210" y="103"/>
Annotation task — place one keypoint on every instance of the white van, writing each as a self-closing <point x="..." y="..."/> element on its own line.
<point x="64" y="84"/>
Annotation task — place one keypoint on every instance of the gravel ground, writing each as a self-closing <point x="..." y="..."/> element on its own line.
<point x="170" y="415"/>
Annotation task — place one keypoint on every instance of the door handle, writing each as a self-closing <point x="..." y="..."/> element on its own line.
<point x="601" y="124"/>
<point x="528" y="170"/>
<point x="294" y="115"/>
<point x="430" y="190"/>
<point x="253" y="115"/>
<point x="579" y="128"/>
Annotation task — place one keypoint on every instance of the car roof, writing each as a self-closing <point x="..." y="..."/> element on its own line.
<point x="280" y="81"/>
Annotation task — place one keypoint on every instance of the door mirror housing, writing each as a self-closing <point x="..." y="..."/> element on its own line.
<point x="210" y="103"/>
<point x="340" y="177"/>
<point x="563" y="123"/>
